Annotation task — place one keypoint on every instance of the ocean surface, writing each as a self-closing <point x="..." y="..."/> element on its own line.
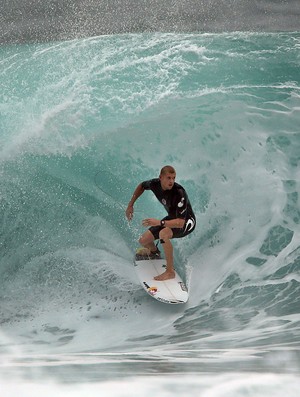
<point x="40" y="20"/>
<point x="82" y="122"/>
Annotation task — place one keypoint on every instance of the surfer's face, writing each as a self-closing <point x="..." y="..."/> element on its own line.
<point x="167" y="181"/>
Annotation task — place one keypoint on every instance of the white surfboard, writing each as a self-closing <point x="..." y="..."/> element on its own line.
<point x="172" y="291"/>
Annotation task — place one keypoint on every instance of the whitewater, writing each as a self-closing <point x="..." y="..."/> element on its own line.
<point x="82" y="122"/>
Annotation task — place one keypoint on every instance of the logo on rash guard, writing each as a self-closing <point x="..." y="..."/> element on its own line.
<point x="163" y="201"/>
<point x="181" y="203"/>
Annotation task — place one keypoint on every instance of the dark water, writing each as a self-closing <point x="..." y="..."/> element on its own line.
<point x="38" y="20"/>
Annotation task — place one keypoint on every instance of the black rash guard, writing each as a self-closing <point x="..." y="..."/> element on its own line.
<point x="177" y="205"/>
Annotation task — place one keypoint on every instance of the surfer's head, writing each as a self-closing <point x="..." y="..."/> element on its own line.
<point x="167" y="177"/>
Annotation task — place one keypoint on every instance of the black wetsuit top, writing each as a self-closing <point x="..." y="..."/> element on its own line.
<point x="175" y="202"/>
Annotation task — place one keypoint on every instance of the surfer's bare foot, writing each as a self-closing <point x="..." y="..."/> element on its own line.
<point x="167" y="275"/>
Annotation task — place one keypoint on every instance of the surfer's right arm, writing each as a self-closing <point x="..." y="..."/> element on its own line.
<point x="136" y="194"/>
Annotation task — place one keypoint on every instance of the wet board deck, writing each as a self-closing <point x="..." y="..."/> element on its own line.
<point x="171" y="291"/>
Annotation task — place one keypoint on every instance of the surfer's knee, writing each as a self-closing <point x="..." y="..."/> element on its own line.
<point x="165" y="234"/>
<point x="146" y="238"/>
<point x="142" y="240"/>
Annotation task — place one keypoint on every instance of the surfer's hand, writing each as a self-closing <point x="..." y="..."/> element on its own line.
<point x="151" y="222"/>
<point x="129" y="212"/>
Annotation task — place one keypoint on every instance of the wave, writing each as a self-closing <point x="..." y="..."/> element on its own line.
<point x="83" y="122"/>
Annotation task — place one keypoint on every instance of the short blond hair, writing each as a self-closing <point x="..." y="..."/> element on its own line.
<point x="167" y="169"/>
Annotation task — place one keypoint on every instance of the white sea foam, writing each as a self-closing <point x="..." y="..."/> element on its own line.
<point x="231" y="385"/>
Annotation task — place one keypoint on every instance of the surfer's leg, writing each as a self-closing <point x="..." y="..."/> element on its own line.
<point x="165" y="236"/>
<point x="147" y="241"/>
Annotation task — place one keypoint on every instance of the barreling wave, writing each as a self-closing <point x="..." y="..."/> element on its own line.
<point x="84" y="121"/>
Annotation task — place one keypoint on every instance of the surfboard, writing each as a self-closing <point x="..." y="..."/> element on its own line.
<point x="173" y="291"/>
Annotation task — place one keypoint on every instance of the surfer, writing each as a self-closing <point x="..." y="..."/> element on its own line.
<point x="179" y="222"/>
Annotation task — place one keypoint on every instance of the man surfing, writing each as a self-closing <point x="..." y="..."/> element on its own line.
<point x="179" y="222"/>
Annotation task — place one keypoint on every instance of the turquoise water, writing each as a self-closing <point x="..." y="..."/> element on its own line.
<point x="82" y="123"/>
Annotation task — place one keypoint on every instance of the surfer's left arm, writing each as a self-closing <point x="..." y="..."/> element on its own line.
<point x="171" y="223"/>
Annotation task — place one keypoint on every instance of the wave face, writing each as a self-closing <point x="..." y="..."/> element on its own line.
<point x="82" y="123"/>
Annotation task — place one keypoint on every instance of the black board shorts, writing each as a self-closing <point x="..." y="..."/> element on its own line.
<point x="188" y="227"/>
